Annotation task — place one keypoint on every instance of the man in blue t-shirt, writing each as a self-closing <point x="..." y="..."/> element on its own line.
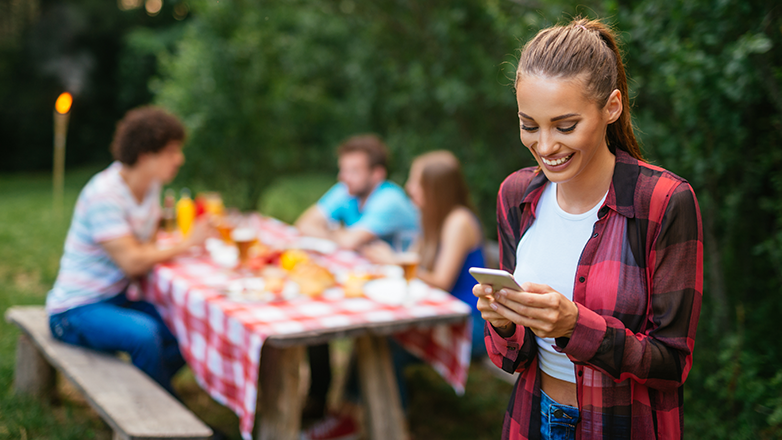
<point x="361" y="208"/>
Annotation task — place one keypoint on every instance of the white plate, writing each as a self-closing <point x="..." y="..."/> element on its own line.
<point x="393" y="291"/>
<point x="222" y="254"/>
<point x="253" y="290"/>
<point x="316" y="244"/>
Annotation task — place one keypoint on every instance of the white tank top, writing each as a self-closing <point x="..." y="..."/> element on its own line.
<point x="548" y="254"/>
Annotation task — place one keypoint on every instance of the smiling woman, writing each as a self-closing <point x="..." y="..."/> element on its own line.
<point x="607" y="249"/>
<point x="565" y="132"/>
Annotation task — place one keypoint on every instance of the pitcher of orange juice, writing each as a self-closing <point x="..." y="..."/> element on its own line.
<point x="185" y="212"/>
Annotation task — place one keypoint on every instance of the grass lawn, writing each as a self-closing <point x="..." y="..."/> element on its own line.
<point x="31" y="242"/>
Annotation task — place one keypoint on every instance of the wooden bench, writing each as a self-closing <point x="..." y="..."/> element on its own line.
<point x="134" y="405"/>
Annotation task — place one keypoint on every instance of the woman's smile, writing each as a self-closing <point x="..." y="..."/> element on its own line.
<point x="556" y="163"/>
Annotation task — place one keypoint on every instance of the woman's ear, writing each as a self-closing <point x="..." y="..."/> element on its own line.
<point x="613" y="107"/>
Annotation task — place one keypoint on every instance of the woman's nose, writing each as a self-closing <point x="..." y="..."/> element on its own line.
<point x="546" y="144"/>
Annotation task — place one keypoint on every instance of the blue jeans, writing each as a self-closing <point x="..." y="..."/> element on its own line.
<point x="118" y="324"/>
<point x="558" y="422"/>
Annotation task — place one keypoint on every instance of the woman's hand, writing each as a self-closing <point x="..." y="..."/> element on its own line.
<point x="379" y="252"/>
<point x="485" y="294"/>
<point x="544" y="310"/>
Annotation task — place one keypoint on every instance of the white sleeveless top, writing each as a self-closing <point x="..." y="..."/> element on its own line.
<point x="548" y="254"/>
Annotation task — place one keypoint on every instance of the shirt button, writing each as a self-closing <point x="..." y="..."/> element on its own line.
<point x="559" y="413"/>
<point x="580" y="373"/>
<point x="595" y="235"/>
<point x="581" y="279"/>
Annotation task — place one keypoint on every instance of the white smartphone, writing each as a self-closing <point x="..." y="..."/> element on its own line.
<point x="495" y="278"/>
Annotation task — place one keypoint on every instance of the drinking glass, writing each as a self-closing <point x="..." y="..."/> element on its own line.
<point x="226" y="223"/>
<point x="245" y="236"/>
<point x="406" y="258"/>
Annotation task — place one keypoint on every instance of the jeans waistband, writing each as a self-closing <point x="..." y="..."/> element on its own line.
<point x="557" y="413"/>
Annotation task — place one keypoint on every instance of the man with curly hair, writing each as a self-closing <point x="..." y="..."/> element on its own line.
<point x="111" y="241"/>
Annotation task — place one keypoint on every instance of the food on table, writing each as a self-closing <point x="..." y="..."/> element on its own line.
<point x="312" y="278"/>
<point x="354" y="284"/>
<point x="274" y="279"/>
<point x="275" y="284"/>
<point x="292" y="257"/>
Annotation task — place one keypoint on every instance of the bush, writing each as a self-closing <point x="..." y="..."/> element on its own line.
<point x="288" y="197"/>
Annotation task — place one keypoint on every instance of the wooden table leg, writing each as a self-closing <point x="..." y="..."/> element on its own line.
<point x="379" y="390"/>
<point x="278" y="414"/>
<point x="33" y="376"/>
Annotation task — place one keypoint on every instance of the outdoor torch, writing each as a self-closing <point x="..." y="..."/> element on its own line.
<point x="61" y="115"/>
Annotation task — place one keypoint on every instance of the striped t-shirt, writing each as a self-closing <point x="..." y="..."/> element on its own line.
<point x="105" y="210"/>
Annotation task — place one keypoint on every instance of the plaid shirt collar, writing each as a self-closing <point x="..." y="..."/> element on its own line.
<point x="621" y="194"/>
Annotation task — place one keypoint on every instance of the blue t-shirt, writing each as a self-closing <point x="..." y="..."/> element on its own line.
<point x="388" y="212"/>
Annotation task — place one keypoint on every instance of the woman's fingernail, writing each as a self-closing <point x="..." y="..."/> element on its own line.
<point x="502" y="292"/>
<point x="493" y="306"/>
<point x="488" y="290"/>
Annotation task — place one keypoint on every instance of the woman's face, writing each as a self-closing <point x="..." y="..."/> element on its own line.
<point x="413" y="185"/>
<point x="564" y="129"/>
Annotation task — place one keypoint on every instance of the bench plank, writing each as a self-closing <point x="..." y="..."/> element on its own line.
<point x="134" y="405"/>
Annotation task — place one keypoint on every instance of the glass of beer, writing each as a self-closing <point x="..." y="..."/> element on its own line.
<point x="226" y="223"/>
<point x="244" y="237"/>
<point x="409" y="263"/>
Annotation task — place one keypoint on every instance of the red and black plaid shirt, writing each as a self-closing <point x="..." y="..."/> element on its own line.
<point x="638" y="288"/>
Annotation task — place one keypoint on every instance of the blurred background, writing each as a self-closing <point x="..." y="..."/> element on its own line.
<point x="267" y="89"/>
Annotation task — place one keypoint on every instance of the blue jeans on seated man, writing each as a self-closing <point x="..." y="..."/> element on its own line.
<point x="558" y="422"/>
<point x="118" y="324"/>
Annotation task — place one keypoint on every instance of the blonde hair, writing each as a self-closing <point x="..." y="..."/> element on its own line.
<point x="586" y="50"/>
<point x="444" y="189"/>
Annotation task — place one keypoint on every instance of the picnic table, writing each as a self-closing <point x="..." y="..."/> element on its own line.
<point x="246" y="353"/>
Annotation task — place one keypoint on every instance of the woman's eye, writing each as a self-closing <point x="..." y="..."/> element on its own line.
<point x="528" y="128"/>
<point x="568" y="129"/>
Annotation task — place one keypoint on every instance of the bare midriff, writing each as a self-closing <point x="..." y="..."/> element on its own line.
<point x="560" y="391"/>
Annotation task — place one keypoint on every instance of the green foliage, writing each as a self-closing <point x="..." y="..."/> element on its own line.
<point x="270" y="88"/>
<point x="77" y="46"/>
<point x="288" y="197"/>
<point x="707" y="83"/>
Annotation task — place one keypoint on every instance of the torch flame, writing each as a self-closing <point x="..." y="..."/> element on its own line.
<point x="63" y="103"/>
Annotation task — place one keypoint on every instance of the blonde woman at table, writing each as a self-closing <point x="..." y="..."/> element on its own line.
<point x="451" y="240"/>
<point x="608" y="252"/>
<point x="110" y="241"/>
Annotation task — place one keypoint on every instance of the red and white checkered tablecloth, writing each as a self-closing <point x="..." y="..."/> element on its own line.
<point x="221" y="338"/>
